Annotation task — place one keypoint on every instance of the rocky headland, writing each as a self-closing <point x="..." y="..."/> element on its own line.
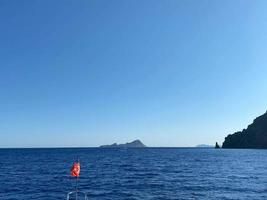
<point x="254" y="136"/>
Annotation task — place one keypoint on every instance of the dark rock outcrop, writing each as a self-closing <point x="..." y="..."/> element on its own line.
<point x="255" y="136"/>
<point x="217" y="146"/>
<point x="133" y="144"/>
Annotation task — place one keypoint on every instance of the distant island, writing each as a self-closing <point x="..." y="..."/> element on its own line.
<point x="204" y="146"/>
<point x="133" y="144"/>
<point x="255" y="136"/>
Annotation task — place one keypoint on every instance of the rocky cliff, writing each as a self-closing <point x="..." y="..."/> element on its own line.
<point x="255" y="136"/>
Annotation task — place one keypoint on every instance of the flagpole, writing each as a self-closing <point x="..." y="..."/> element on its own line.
<point x="77" y="181"/>
<point x="75" y="171"/>
<point x="77" y="187"/>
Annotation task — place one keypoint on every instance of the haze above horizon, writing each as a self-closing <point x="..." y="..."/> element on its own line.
<point x="170" y="73"/>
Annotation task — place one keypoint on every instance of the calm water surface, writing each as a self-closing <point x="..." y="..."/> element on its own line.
<point x="151" y="173"/>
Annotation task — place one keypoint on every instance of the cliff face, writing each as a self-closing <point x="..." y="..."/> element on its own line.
<point x="255" y="136"/>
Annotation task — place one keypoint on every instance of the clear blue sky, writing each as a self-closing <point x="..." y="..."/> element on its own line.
<point x="171" y="73"/>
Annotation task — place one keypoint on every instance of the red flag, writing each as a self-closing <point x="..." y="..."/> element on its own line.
<point x="75" y="169"/>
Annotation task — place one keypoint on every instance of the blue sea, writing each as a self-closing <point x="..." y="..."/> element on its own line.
<point x="137" y="174"/>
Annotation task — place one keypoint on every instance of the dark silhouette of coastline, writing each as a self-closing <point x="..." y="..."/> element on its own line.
<point x="254" y="137"/>
<point x="133" y="144"/>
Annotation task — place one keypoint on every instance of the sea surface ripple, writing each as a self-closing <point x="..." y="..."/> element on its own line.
<point x="135" y="174"/>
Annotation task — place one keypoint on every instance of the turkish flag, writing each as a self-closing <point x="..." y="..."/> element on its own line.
<point x="75" y="169"/>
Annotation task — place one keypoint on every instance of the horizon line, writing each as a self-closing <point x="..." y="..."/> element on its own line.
<point x="83" y="147"/>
